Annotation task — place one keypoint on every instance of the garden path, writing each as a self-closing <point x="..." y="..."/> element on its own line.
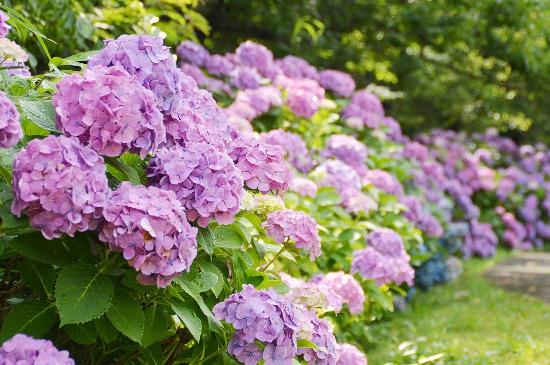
<point x="528" y="272"/>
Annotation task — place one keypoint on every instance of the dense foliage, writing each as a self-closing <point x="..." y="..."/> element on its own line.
<point x="231" y="208"/>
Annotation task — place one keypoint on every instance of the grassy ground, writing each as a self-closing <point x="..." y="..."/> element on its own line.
<point x="468" y="321"/>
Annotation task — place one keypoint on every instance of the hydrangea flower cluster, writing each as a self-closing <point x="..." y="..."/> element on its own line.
<point x="61" y="186"/>
<point x="385" y="260"/>
<point x="194" y="72"/>
<point x="481" y="240"/>
<point x="194" y="53"/>
<point x="304" y="187"/>
<point x="254" y="55"/>
<point x="349" y="150"/>
<point x="342" y="84"/>
<point x="4" y="26"/>
<point x="262" y="165"/>
<point x="10" y="128"/>
<point x="284" y="225"/>
<point x="294" y="146"/>
<point x="22" y="349"/>
<point x="312" y="295"/>
<point x="109" y="110"/>
<point x="263" y="316"/>
<point x="260" y="99"/>
<point x="11" y="52"/>
<point x="366" y="108"/>
<point x="383" y="180"/>
<point x="218" y="65"/>
<point x="350" y="355"/>
<point x="204" y="179"/>
<point x="395" y="133"/>
<point x="147" y="58"/>
<point x="297" y="68"/>
<point x="426" y="222"/>
<point x="148" y="225"/>
<point x="345" y="286"/>
<point x="243" y="77"/>
<point x="318" y="331"/>
<point x="304" y="97"/>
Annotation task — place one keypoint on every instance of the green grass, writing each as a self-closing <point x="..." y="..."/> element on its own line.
<point x="468" y="321"/>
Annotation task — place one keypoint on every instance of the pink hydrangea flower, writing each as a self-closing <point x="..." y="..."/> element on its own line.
<point x="342" y="84"/>
<point x="10" y="127"/>
<point x="294" y="146"/>
<point x="204" y="179"/>
<point x="218" y="65"/>
<point x="22" y="349"/>
<point x="109" y="110"/>
<point x="60" y="184"/>
<point x="254" y="55"/>
<point x="350" y="355"/>
<point x="148" y="225"/>
<point x="297" y="68"/>
<point x="193" y="53"/>
<point x="366" y="107"/>
<point x="304" y="187"/>
<point x="346" y="287"/>
<point x="4" y="26"/>
<point x="243" y="77"/>
<point x="295" y="226"/>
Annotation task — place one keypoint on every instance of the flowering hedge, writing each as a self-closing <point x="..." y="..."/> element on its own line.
<point x="231" y="208"/>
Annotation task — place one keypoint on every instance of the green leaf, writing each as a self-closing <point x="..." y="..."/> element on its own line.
<point x="107" y="332"/>
<point x="211" y="268"/>
<point x="153" y="354"/>
<point x="155" y="325"/>
<point x="128" y="173"/>
<point x="206" y="239"/>
<point x="191" y="321"/>
<point x="33" y="318"/>
<point x="83" y="334"/>
<point x="127" y="316"/>
<point x="228" y="238"/>
<point x="193" y="289"/>
<point x="83" y="293"/>
<point x="35" y="246"/>
<point x="206" y="281"/>
<point x="305" y="344"/>
<point x="41" y="113"/>
<point x="38" y="276"/>
<point x="327" y="196"/>
<point x="82" y="57"/>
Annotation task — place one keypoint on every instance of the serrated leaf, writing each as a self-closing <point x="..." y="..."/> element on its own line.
<point x="193" y="290"/>
<point x="38" y="276"/>
<point x="129" y="173"/>
<point x="191" y="321"/>
<point x="155" y="325"/>
<point x="153" y="354"/>
<point x="33" y="318"/>
<point x="35" y="246"/>
<point x="107" y="332"/>
<point x="127" y="316"/>
<point x="206" y="239"/>
<point x="40" y="112"/>
<point x="211" y="268"/>
<point x="83" y="333"/>
<point x="228" y="238"/>
<point x="83" y="293"/>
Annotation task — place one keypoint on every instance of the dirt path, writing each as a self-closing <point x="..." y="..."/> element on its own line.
<point x="527" y="272"/>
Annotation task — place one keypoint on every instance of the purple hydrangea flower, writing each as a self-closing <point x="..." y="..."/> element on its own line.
<point x="304" y="95"/>
<point x="260" y="99"/>
<point x="262" y="165"/>
<point x="193" y="53"/>
<point x="263" y="316"/>
<point x="294" y="146"/>
<point x="346" y="287"/>
<point x="148" y="225"/>
<point x="350" y="355"/>
<point x="60" y="184"/>
<point x="10" y="128"/>
<point x="319" y="332"/>
<point x="349" y="150"/>
<point x="204" y="179"/>
<point x="297" y="68"/>
<point x="530" y="212"/>
<point x="110" y="111"/>
<point x="383" y="180"/>
<point x="4" y="26"/>
<point x="147" y="58"/>
<point x="218" y="65"/>
<point x="304" y="187"/>
<point x="415" y="150"/>
<point x="22" y="349"/>
<point x="395" y="133"/>
<point x="387" y="242"/>
<point x="341" y="83"/>
<point x="15" y="68"/>
<point x="254" y="55"/>
<point x="481" y="240"/>
<point x="195" y="72"/>
<point x="295" y="226"/>
<point x="367" y="107"/>
<point x="243" y="77"/>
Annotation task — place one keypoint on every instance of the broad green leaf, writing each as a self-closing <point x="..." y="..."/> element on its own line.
<point x="40" y="112"/>
<point x="327" y="196"/>
<point x="206" y="239"/>
<point x="107" y="332"/>
<point x="128" y="173"/>
<point x="83" y="293"/>
<point x="193" y="289"/>
<point x="153" y="354"/>
<point x="39" y="277"/>
<point x="35" y="246"/>
<point x="191" y="321"/>
<point x="155" y="325"/>
<point x="306" y="344"/>
<point x="211" y="268"/>
<point x="82" y="57"/>
<point x="127" y="316"/>
<point x="83" y="333"/>
<point x="228" y="238"/>
<point x="33" y="318"/>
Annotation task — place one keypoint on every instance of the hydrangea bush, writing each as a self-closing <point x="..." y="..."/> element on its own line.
<point x="230" y="208"/>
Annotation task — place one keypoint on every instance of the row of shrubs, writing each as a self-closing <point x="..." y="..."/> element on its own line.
<point x="230" y="208"/>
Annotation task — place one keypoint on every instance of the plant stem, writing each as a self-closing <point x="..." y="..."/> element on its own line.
<point x="274" y="258"/>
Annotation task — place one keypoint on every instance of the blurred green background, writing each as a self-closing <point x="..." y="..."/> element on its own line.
<point x="460" y="64"/>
